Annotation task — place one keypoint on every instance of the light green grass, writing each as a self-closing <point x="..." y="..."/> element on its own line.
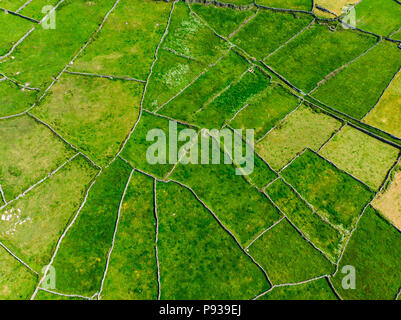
<point x="268" y="30"/>
<point x="240" y="207"/>
<point x="44" y="295"/>
<point x="334" y="194"/>
<point x="287" y="257"/>
<point x="374" y="253"/>
<point x="80" y="261"/>
<point x="37" y="220"/>
<point x="132" y="272"/>
<point x="314" y="290"/>
<point x="25" y="156"/>
<point x="265" y="110"/>
<point x="35" y="8"/>
<point x="304" y="128"/>
<point x="14" y="100"/>
<point x="365" y="157"/>
<point x="317" y="52"/>
<point x="378" y="16"/>
<point x="54" y="48"/>
<point x="357" y="88"/>
<point x="140" y="25"/>
<point x="94" y="114"/>
<point x="305" y="5"/>
<point x="11" y="5"/>
<point x="319" y="232"/>
<point x="223" y="20"/>
<point x="16" y="281"/>
<point x="13" y="29"/>
<point x="198" y="259"/>
<point x="204" y="89"/>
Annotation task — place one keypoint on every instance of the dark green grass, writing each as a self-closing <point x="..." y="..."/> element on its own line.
<point x="223" y="108"/>
<point x="268" y="30"/>
<point x="132" y="272"/>
<point x="315" y="53"/>
<point x="223" y="20"/>
<point x="322" y="235"/>
<point x="206" y="87"/>
<point x="54" y="48"/>
<point x="16" y="281"/>
<point x="357" y="88"/>
<point x="199" y="259"/>
<point x="25" y="156"/>
<point x="373" y="251"/>
<point x="265" y="110"/>
<point x="287" y="257"/>
<point x="314" y="290"/>
<point x="333" y="193"/>
<point x="12" y="29"/>
<point x="240" y="207"/>
<point x="305" y="5"/>
<point x="137" y="146"/>
<point x="94" y="114"/>
<point x="140" y="25"/>
<point x="378" y="16"/>
<point x="35" y="8"/>
<point x="80" y="261"/>
<point x="13" y="100"/>
<point x="39" y="218"/>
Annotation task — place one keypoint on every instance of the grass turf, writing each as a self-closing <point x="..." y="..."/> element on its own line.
<point x="13" y="99"/>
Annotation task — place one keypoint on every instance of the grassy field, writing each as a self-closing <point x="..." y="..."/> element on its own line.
<point x="36" y="221"/>
<point x="334" y="194"/>
<point x="387" y="113"/>
<point x="288" y="264"/>
<point x="13" y="28"/>
<point x="335" y="6"/>
<point x="389" y="201"/>
<point x="330" y="50"/>
<point x="25" y="156"/>
<point x="224" y="20"/>
<point x="13" y="99"/>
<point x="16" y="281"/>
<point x="373" y="251"/>
<point x="319" y="232"/>
<point x="277" y="27"/>
<point x="44" y="295"/>
<point x="356" y="89"/>
<point x="366" y="158"/>
<point x="94" y="114"/>
<point x="304" y="128"/>
<point x="132" y="272"/>
<point x="11" y="5"/>
<point x="140" y="26"/>
<point x="198" y="259"/>
<point x="35" y="8"/>
<point x="265" y="110"/>
<point x="378" y="16"/>
<point x="80" y="261"/>
<point x="305" y="5"/>
<point x="314" y="290"/>
<point x="239" y="206"/>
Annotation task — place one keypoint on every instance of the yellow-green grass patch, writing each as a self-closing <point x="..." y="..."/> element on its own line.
<point x="387" y="113"/>
<point x="199" y="259"/>
<point x="268" y="30"/>
<point x="12" y="5"/>
<point x="318" y="231"/>
<point x="17" y="282"/>
<point x="335" y="6"/>
<point x="81" y="259"/>
<point x="373" y="251"/>
<point x="13" y="99"/>
<point x="94" y="114"/>
<point x="31" y="226"/>
<point x="317" y="52"/>
<point x="45" y="295"/>
<point x="132" y="272"/>
<point x="287" y="257"/>
<point x="29" y="151"/>
<point x="313" y="290"/>
<point x="304" y="128"/>
<point x="334" y="194"/>
<point x="389" y="201"/>
<point x="305" y="5"/>
<point x="356" y="88"/>
<point x="140" y="25"/>
<point x="363" y="156"/>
